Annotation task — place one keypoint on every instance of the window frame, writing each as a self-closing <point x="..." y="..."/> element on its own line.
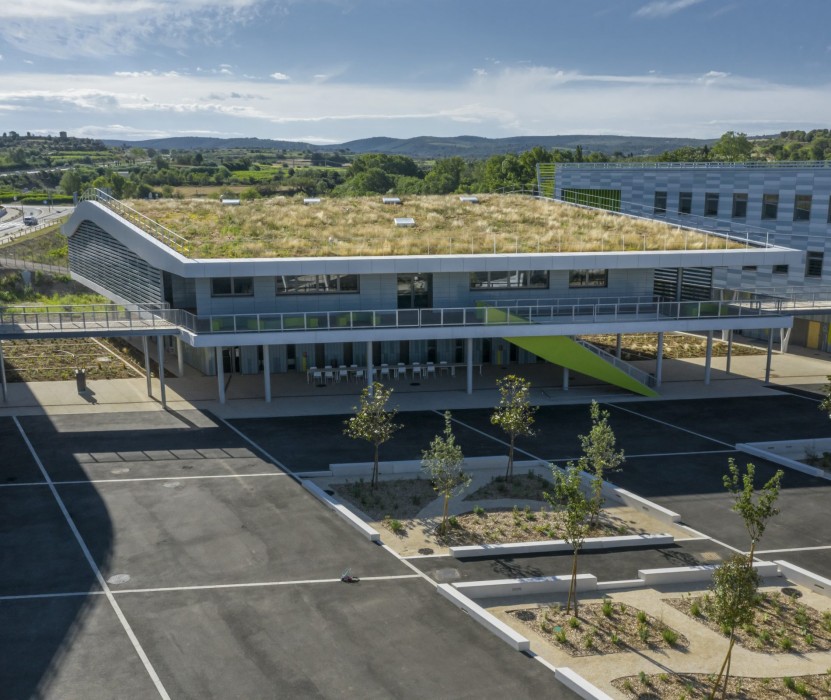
<point x="581" y="278"/>
<point x="233" y="286"/>
<point x="660" y="196"/>
<point x="769" y="200"/>
<point x="685" y="198"/>
<point x="739" y="198"/>
<point x="709" y="199"/>
<point x="485" y="280"/>
<point x="800" y="213"/>
<point x="316" y="284"/>
<point x="814" y="260"/>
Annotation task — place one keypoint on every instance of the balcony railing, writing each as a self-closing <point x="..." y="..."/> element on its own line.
<point x="90" y="318"/>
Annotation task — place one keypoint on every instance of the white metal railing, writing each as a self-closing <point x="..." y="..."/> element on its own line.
<point x="161" y="233"/>
<point x="91" y="318"/>
<point x="622" y="365"/>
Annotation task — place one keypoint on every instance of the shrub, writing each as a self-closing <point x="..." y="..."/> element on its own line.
<point x="670" y="636"/>
<point x="614" y="639"/>
<point x="453" y="521"/>
<point x="607" y="607"/>
<point x="785" y="644"/>
<point x="478" y="510"/>
<point x="396" y="526"/>
<point x="642" y="617"/>
<point x="643" y="633"/>
<point x="644" y="679"/>
<point x="560" y="636"/>
<point x="574" y="623"/>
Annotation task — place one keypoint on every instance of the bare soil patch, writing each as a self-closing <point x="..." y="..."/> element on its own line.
<point x="56" y="359"/>
<point x="605" y="627"/>
<point x="692" y="686"/>
<point x="525" y="487"/>
<point x="677" y="346"/>
<point x="783" y="624"/>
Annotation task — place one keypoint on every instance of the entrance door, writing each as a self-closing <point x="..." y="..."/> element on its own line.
<point x="415" y="291"/>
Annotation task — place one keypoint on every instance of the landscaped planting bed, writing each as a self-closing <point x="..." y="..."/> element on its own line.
<point x="56" y="359"/>
<point x="695" y="686"/>
<point x="604" y="627"/>
<point x="677" y="346"/>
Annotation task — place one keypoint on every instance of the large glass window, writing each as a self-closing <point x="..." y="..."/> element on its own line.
<point x="232" y="286"/>
<point x="316" y="284"/>
<point x="813" y="264"/>
<point x="770" y="206"/>
<point x="802" y="207"/>
<point x="685" y="202"/>
<point x="588" y="278"/>
<point x="660" y="203"/>
<point x="509" y="279"/>
<point x="740" y="205"/>
<point x="711" y="204"/>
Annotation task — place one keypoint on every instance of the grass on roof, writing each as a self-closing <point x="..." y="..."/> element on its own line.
<point x="338" y="227"/>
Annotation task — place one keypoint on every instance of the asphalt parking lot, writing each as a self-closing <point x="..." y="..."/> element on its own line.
<point x="159" y="555"/>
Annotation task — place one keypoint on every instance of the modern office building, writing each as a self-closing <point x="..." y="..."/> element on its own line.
<point x="783" y="203"/>
<point x="453" y="292"/>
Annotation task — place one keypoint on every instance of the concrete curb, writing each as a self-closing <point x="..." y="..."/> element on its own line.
<point x="413" y="466"/>
<point x="497" y="588"/>
<point x="469" y="551"/>
<point x="484" y="618"/>
<point x="770" y="456"/>
<point x="692" y="574"/>
<point x="577" y="684"/>
<point x="806" y="578"/>
<point x="370" y="533"/>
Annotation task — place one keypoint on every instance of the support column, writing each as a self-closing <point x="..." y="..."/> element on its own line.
<point x="147" y="364"/>
<point x="708" y="360"/>
<point x="369" y="365"/>
<point x="267" y="373"/>
<point x="160" y="345"/>
<point x="770" y="355"/>
<point x="3" y="373"/>
<point x="565" y="378"/>
<point x="469" y="358"/>
<point x="220" y="374"/>
<point x="659" y="360"/>
<point x="729" y="349"/>
<point x="618" y="344"/>
<point x="784" y="339"/>
<point x="180" y="356"/>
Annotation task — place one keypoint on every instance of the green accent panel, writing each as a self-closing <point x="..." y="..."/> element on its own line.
<point x="563" y="351"/>
<point x="546" y="178"/>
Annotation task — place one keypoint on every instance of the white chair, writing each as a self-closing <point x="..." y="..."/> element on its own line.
<point x="343" y="373"/>
<point x="385" y="371"/>
<point x="318" y="376"/>
<point x="431" y="370"/>
<point x="416" y="370"/>
<point x="359" y="375"/>
<point x="400" y="370"/>
<point x="329" y="374"/>
<point x="310" y="373"/>
<point x="443" y="368"/>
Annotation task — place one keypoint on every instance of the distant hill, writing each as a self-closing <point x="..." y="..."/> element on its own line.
<point x="428" y="147"/>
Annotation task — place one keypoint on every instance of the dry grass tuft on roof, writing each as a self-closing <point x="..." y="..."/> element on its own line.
<point x="283" y="227"/>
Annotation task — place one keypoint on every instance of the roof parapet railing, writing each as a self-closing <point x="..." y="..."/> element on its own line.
<point x="161" y="233"/>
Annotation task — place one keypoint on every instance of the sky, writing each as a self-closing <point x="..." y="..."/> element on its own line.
<point x="331" y="71"/>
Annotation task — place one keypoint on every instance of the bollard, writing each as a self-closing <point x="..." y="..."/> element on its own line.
<point x="81" y="380"/>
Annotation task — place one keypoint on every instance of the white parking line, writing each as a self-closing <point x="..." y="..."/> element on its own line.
<point x="76" y="482"/>
<point x="41" y="596"/>
<point x="91" y="561"/>
<point x="793" y="549"/>
<point x="670" y="425"/>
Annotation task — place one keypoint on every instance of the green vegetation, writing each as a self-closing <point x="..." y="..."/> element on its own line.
<point x="373" y="421"/>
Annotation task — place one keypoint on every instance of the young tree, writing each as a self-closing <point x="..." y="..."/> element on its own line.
<point x="443" y="462"/>
<point x="731" y="605"/>
<point x="755" y="515"/>
<point x="514" y="414"/>
<point x="599" y="456"/>
<point x="569" y="499"/>
<point x="372" y="421"/>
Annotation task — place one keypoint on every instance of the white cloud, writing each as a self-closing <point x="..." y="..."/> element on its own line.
<point x="664" y="8"/>
<point x="279" y="76"/>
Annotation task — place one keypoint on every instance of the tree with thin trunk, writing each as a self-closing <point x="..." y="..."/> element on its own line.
<point x="570" y="500"/>
<point x="731" y="605"/>
<point x="373" y="421"/>
<point x="443" y="462"/>
<point x="600" y="456"/>
<point x="755" y="514"/>
<point x="514" y="414"/>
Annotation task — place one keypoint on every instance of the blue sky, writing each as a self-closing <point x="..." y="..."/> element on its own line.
<point x="328" y="71"/>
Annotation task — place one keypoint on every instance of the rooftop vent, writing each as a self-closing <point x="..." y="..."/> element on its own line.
<point x="230" y="202"/>
<point x="311" y="200"/>
<point x="391" y="200"/>
<point x="469" y="198"/>
<point x="404" y="221"/>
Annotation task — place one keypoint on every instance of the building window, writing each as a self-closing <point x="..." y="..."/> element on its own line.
<point x="317" y="284"/>
<point x="748" y="268"/>
<point x="802" y="207"/>
<point x="660" y="203"/>
<point x="232" y="286"/>
<point x="770" y="206"/>
<point x="509" y="279"/>
<point x="740" y="205"/>
<point x="711" y="204"/>
<point x="780" y="269"/>
<point x="588" y="278"/>
<point x="813" y="265"/>
<point x="685" y="202"/>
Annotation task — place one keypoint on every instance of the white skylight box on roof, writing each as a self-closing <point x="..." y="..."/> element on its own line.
<point x="230" y="202"/>
<point x="311" y="200"/>
<point x="391" y="200"/>
<point x="404" y="221"/>
<point x="469" y="198"/>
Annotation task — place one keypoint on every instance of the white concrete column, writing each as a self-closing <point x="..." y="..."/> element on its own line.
<point x="618" y="345"/>
<point x="267" y="373"/>
<point x="180" y="356"/>
<point x="146" y="349"/>
<point x="659" y="360"/>
<point x="708" y="359"/>
<point x="770" y="355"/>
<point x="469" y="358"/>
<point x="784" y="339"/>
<point x="565" y="377"/>
<point x="160" y="345"/>
<point x="729" y="349"/>
<point x="3" y="373"/>
<point x="369" y="365"/>
<point x="220" y="374"/>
